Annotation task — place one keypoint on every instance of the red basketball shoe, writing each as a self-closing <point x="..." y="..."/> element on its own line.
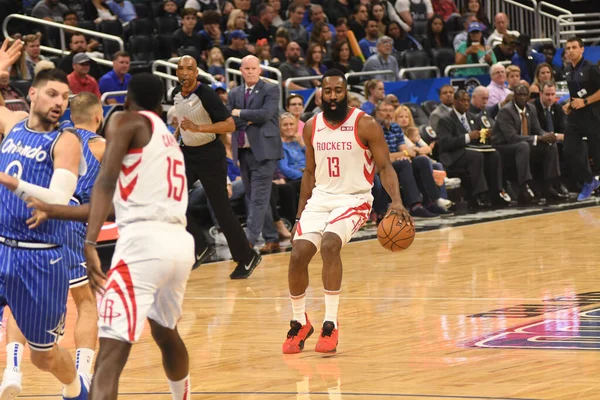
<point x="296" y="336"/>
<point x="328" y="339"/>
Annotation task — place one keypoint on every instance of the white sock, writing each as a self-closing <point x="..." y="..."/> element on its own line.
<point x="83" y="360"/>
<point x="180" y="390"/>
<point x="14" y="355"/>
<point x="299" y="308"/>
<point x="332" y="301"/>
<point x="72" y="389"/>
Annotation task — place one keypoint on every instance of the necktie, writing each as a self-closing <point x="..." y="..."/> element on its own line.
<point x="524" y="126"/>
<point x="241" y="141"/>
<point x="549" y="122"/>
<point x="463" y="119"/>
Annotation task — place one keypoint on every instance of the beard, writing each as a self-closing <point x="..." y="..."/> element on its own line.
<point x="340" y="111"/>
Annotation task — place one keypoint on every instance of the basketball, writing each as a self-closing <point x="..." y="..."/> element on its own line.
<point x="395" y="234"/>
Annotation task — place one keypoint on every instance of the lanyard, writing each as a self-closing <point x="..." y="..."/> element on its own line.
<point x="577" y="72"/>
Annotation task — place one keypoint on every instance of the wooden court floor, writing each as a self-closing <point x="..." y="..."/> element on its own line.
<point x="525" y="291"/>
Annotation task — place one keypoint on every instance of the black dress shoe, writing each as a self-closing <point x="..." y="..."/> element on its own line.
<point x="552" y="194"/>
<point x="244" y="270"/>
<point x="563" y="190"/>
<point x="204" y="255"/>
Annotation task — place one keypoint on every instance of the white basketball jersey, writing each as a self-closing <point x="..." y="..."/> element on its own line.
<point x="343" y="163"/>
<point x="152" y="184"/>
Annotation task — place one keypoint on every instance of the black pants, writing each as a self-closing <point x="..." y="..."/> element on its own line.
<point x="208" y="163"/>
<point x="484" y="170"/>
<point x="582" y="123"/>
<point x="286" y="197"/>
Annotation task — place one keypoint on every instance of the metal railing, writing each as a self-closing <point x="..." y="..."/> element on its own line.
<point x="61" y="28"/>
<point x="548" y="25"/>
<point x="170" y="66"/>
<point x="586" y="26"/>
<point x="521" y="14"/>
<point x="107" y="95"/>
<point x="454" y="67"/>
<point x="16" y="101"/>
<point x="279" y="81"/>
<point x="405" y="71"/>
<point x="368" y="73"/>
<point x="288" y="81"/>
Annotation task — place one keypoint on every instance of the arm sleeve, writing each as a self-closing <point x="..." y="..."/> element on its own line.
<point x="429" y="6"/>
<point x="402" y="5"/>
<point x="217" y="111"/>
<point x="270" y="107"/>
<point x="62" y="187"/>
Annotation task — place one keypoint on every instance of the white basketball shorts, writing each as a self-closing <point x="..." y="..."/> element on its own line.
<point x="342" y="214"/>
<point x="147" y="279"/>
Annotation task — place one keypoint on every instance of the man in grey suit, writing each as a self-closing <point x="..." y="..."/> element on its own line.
<point x="447" y="102"/>
<point x="257" y="145"/>
<point x="520" y="140"/>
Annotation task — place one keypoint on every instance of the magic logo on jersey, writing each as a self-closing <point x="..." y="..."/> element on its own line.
<point x="569" y="322"/>
<point x="38" y="153"/>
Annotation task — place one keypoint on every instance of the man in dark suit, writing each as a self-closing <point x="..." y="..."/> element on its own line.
<point x="520" y="140"/>
<point x="257" y="145"/>
<point x="461" y="149"/>
<point x="445" y="107"/>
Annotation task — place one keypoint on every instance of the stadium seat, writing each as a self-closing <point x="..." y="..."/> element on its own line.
<point x="89" y="25"/>
<point x="166" y="24"/>
<point x="141" y="26"/>
<point x="141" y="48"/>
<point x="21" y="85"/>
<point x="111" y="27"/>
<point x="454" y="25"/>
<point x="429" y="105"/>
<point x="419" y="28"/>
<point x="142" y="10"/>
<point x="417" y="58"/>
<point x="443" y="57"/>
<point x="163" y="43"/>
<point x="418" y="114"/>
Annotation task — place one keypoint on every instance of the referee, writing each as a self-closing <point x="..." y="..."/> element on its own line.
<point x="583" y="80"/>
<point x="202" y="116"/>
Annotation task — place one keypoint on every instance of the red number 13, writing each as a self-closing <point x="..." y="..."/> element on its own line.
<point x="175" y="179"/>
<point x="334" y="167"/>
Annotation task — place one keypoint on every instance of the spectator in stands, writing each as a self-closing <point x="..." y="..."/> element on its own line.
<point x="413" y="10"/>
<point x="497" y="87"/>
<point x="100" y="11"/>
<point x="322" y="35"/>
<point x="474" y="52"/>
<point x="29" y="57"/>
<point x="353" y="101"/>
<point x="317" y="15"/>
<point x="236" y="21"/>
<point x="50" y="10"/>
<point x="445" y="8"/>
<point x="221" y="90"/>
<point x="341" y="29"/>
<point x="294" y="105"/>
<point x="277" y="20"/>
<point x="211" y="34"/>
<point x="262" y="50"/>
<point x="186" y="37"/>
<point x="318" y="101"/>
<point x="379" y="15"/>
<point x="123" y="9"/>
<point x="43" y="65"/>
<point x="337" y="9"/>
<point x="292" y="68"/>
<point x="513" y="76"/>
<point x="264" y="29"/>
<point x="501" y="25"/>
<point x="464" y="35"/>
<point x="526" y="58"/>
<point x="294" y="158"/>
<point x="368" y="44"/>
<point x="282" y="39"/>
<point x="79" y="7"/>
<point x="445" y="107"/>
<point x="411" y="174"/>
<point x="402" y="40"/>
<point x="476" y="8"/>
<point x="459" y="135"/>
<point x="7" y="92"/>
<point x="343" y="60"/>
<point x="78" y="44"/>
<point x="478" y="107"/>
<point x="294" y="25"/>
<point x="79" y="79"/>
<point x="393" y="100"/>
<point x="543" y="73"/>
<point x="505" y="50"/>
<point x="383" y="60"/>
<point x="170" y="9"/>
<point x="202" y="6"/>
<point x="375" y="92"/>
<point x="358" y="21"/>
<point x="519" y="138"/>
<point x="118" y="78"/>
<point x="437" y="37"/>
<point x="71" y="19"/>
<point x="216" y="64"/>
<point x="314" y="61"/>
<point x="237" y="47"/>
<point x="549" y="51"/>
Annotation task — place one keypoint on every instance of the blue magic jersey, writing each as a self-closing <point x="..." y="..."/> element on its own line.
<point x="27" y="154"/>
<point x="75" y="234"/>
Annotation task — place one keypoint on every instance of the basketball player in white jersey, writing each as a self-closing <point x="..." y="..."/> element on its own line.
<point x="343" y="148"/>
<point x="154" y="253"/>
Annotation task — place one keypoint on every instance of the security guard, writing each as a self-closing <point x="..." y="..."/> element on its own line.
<point x="583" y="79"/>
